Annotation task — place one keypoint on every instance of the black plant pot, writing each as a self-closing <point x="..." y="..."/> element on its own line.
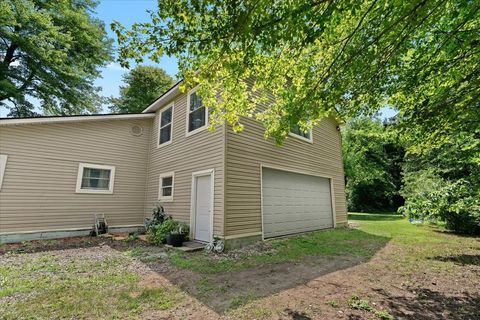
<point x="175" y="239"/>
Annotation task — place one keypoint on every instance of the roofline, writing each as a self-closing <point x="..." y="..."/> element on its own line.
<point x="164" y="98"/>
<point x="171" y="93"/>
<point x="77" y="118"/>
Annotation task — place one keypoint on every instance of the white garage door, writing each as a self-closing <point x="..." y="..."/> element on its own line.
<point x="294" y="203"/>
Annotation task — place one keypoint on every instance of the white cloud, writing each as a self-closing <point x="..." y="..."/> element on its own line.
<point x="115" y="66"/>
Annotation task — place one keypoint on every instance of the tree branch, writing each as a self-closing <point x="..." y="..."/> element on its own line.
<point x="9" y="54"/>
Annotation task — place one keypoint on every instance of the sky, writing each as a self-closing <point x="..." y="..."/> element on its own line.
<point x="126" y="12"/>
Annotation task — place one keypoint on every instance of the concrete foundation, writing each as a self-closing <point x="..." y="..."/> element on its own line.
<point x="240" y="242"/>
<point x="58" y="234"/>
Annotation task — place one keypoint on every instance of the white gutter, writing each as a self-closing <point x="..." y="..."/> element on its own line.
<point x="46" y="120"/>
<point x="164" y="99"/>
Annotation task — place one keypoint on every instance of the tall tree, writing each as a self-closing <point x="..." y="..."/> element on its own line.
<point x="372" y="156"/>
<point x="22" y="109"/>
<point x="51" y="51"/>
<point x="420" y="56"/>
<point x="317" y="57"/>
<point x="144" y="84"/>
<point x="444" y="184"/>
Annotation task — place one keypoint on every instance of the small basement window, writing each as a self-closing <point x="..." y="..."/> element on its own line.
<point x="296" y="132"/>
<point x="165" y="126"/>
<point x="3" y="165"/>
<point x="95" y="178"/>
<point x="197" y="113"/>
<point x="165" y="192"/>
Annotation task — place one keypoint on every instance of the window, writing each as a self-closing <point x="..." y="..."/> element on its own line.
<point x="3" y="165"/>
<point x="295" y="131"/>
<point x="197" y="113"/>
<point x="165" y="126"/>
<point x="94" y="178"/>
<point x="165" y="192"/>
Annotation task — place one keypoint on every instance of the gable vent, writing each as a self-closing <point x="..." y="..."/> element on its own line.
<point x="136" y="130"/>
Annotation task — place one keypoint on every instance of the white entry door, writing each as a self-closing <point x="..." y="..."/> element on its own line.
<point x="203" y="207"/>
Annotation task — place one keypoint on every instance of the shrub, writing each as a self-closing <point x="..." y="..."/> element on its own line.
<point x="157" y="233"/>
<point x="429" y="197"/>
<point x="158" y="216"/>
<point x="132" y="236"/>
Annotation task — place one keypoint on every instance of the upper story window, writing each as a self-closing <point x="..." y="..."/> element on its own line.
<point x="95" y="178"/>
<point x="165" y="126"/>
<point x="197" y="116"/>
<point x="3" y="165"/>
<point x="297" y="132"/>
<point x="165" y="192"/>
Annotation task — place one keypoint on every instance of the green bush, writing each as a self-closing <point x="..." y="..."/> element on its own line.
<point x="429" y="197"/>
<point x="132" y="236"/>
<point x="157" y="233"/>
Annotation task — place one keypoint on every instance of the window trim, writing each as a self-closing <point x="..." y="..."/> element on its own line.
<point x="160" y="186"/>
<point x="81" y="168"/>
<point x="292" y="134"/>
<point x="205" y="126"/>
<point x="3" y="167"/>
<point x="170" y="105"/>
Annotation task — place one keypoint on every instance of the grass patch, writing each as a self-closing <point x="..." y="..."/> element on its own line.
<point x="294" y="249"/>
<point x="51" y="286"/>
<point x="239" y="301"/>
<point x="356" y="303"/>
<point x="261" y="313"/>
<point x="148" y="299"/>
<point x="134" y="253"/>
<point x="333" y="303"/>
<point x="416" y="243"/>
<point x="204" y="286"/>
<point x="384" y="315"/>
<point x="204" y="263"/>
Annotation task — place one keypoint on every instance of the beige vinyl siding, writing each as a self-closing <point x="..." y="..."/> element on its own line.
<point x="247" y="151"/>
<point x="38" y="192"/>
<point x="185" y="155"/>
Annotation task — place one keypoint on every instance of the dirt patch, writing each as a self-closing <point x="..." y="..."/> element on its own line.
<point x="232" y="289"/>
<point x="69" y="243"/>
<point x="321" y="287"/>
<point x="423" y="294"/>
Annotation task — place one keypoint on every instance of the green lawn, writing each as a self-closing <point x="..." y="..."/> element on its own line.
<point x="293" y="249"/>
<point x="101" y="282"/>
<point x="419" y="246"/>
<point x="373" y="232"/>
<point x="49" y="285"/>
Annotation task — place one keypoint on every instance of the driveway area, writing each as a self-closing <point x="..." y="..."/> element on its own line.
<point x="381" y="267"/>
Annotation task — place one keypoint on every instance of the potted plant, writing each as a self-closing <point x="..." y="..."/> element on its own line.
<point x="184" y="229"/>
<point x="175" y="238"/>
<point x="178" y="236"/>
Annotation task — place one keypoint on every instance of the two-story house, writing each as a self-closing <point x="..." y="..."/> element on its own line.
<point x="57" y="172"/>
